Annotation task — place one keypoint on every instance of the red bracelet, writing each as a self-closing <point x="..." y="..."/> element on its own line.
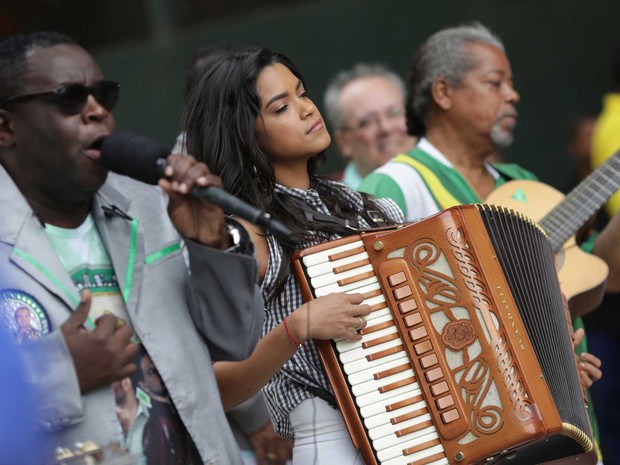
<point x="291" y="339"/>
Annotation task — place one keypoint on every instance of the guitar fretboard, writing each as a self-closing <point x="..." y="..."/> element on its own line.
<point x="582" y="202"/>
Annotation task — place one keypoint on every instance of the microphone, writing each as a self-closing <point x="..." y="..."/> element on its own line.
<point x="144" y="159"/>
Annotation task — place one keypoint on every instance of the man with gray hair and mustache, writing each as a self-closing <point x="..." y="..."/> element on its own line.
<point x="462" y="105"/>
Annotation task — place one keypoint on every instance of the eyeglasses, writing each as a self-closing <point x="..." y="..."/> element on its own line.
<point x="374" y="119"/>
<point x="71" y="98"/>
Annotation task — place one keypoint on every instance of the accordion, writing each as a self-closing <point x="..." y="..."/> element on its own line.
<point x="466" y="357"/>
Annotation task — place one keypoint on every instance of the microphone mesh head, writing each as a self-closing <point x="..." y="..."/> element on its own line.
<point x="134" y="156"/>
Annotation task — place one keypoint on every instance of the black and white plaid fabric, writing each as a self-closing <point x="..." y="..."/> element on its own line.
<point x="285" y="390"/>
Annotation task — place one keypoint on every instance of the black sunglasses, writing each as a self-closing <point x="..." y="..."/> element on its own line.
<point x="71" y="98"/>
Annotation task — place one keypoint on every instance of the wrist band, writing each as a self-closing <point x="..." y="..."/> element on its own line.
<point x="291" y="339"/>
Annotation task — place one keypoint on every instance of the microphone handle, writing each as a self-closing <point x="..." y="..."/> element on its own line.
<point x="234" y="206"/>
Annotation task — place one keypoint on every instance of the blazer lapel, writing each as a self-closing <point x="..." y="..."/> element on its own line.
<point x="33" y="253"/>
<point x="30" y="249"/>
<point x="122" y="236"/>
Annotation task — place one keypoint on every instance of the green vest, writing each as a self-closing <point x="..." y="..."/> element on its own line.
<point x="446" y="184"/>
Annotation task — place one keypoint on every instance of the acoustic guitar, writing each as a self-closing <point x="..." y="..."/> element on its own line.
<point x="582" y="276"/>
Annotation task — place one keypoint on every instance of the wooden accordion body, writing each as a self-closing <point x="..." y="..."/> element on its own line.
<point x="466" y="357"/>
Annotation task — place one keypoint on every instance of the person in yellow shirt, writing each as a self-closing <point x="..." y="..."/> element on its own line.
<point x="603" y="332"/>
<point x="606" y="137"/>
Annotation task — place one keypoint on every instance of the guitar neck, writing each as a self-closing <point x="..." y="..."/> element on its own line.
<point x="582" y="202"/>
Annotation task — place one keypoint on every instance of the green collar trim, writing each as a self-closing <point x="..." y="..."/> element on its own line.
<point x="162" y="253"/>
<point x="131" y="261"/>
<point x="55" y="280"/>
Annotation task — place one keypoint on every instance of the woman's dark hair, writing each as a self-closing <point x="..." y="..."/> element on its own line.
<point x="219" y="123"/>
<point x="202" y="60"/>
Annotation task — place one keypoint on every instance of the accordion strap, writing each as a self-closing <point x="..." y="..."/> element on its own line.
<point x="373" y="217"/>
<point x="321" y="393"/>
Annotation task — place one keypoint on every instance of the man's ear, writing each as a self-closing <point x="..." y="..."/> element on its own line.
<point x="342" y="142"/>
<point x="442" y="93"/>
<point x="6" y="129"/>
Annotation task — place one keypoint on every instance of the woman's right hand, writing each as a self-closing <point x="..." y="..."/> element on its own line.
<point x="332" y="316"/>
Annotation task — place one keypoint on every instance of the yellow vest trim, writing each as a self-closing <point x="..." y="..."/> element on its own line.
<point x="441" y="194"/>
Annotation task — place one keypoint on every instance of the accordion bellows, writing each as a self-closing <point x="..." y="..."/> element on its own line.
<point x="467" y="356"/>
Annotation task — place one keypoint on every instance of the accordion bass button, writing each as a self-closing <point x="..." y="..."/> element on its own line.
<point x="378" y="245"/>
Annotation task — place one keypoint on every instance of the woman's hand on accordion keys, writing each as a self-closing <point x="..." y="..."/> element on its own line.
<point x="332" y="316"/>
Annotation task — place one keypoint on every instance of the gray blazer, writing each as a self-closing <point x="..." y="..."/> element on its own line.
<point x="185" y="318"/>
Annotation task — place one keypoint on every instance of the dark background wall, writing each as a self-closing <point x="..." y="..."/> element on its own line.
<point x="559" y="52"/>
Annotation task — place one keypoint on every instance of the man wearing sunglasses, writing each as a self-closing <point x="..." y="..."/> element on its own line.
<point x="102" y="265"/>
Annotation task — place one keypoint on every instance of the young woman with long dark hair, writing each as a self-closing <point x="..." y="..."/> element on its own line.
<point x="250" y="119"/>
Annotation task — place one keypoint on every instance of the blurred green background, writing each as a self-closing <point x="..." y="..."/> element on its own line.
<point x="559" y="51"/>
